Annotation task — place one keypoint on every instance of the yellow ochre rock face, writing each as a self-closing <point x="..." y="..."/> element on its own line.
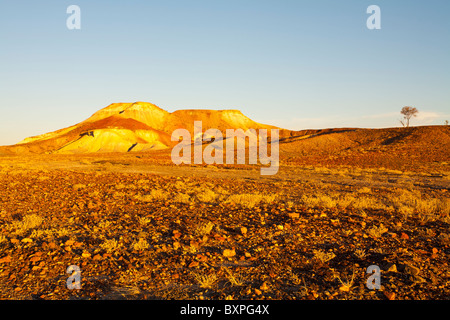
<point x="127" y="127"/>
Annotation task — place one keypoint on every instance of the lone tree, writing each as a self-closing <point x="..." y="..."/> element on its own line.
<point x="408" y="113"/>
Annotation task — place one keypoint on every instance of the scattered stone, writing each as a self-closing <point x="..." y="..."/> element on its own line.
<point x="418" y="279"/>
<point x="409" y="269"/>
<point x="389" y="295"/>
<point x="344" y="288"/>
<point x="35" y="259"/>
<point x="5" y="259"/>
<point x="264" y="286"/>
<point x="52" y="245"/>
<point x="229" y="253"/>
<point x="294" y="215"/>
<point x="392" y="268"/>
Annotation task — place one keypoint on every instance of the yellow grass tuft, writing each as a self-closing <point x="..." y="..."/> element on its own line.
<point x="250" y="200"/>
<point x="110" y="245"/>
<point x="206" y="281"/>
<point x="141" y="245"/>
<point x="155" y="194"/>
<point x="206" y="196"/>
<point x="28" y="222"/>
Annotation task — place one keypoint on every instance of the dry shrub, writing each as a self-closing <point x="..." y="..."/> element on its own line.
<point x="206" y="281"/>
<point x="182" y="198"/>
<point x="235" y="279"/>
<point x="365" y="190"/>
<point x="28" y="222"/>
<point x="367" y="202"/>
<point x="206" y="195"/>
<point x="155" y="194"/>
<point x="377" y="231"/>
<point x="250" y="200"/>
<point x="323" y="256"/>
<point x="204" y="229"/>
<point x="412" y="203"/>
<point x="179" y="185"/>
<point x="141" y="245"/>
<point x="318" y="201"/>
<point x="79" y="186"/>
<point x="144" y="220"/>
<point x="110" y="245"/>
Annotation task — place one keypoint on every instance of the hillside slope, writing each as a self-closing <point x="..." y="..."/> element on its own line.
<point x="400" y="148"/>
<point x="125" y="127"/>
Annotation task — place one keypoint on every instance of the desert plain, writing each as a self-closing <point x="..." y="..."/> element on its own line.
<point x="140" y="227"/>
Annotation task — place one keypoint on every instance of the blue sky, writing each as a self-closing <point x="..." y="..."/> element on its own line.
<point x="295" y="64"/>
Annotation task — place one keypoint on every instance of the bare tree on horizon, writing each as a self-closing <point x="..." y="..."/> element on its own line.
<point x="408" y="113"/>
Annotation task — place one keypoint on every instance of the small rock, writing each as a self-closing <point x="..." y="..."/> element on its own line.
<point x="344" y="288"/>
<point x="264" y="286"/>
<point x="418" y="279"/>
<point x="294" y="215"/>
<point x="5" y="259"/>
<point x="78" y="244"/>
<point x="27" y="240"/>
<point x="412" y="270"/>
<point x="243" y="230"/>
<point x="258" y="292"/>
<point x="35" y="259"/>
<point x="229" y="253"/>
<point x="335" y="222"/>
<point x="392" y="268"/>
<point x="201" y="258"/>
<point x="389" y="295"/>
<point x="404" y="236"/>
<point x="85" y="254"/>
<point x="52" y="245"/>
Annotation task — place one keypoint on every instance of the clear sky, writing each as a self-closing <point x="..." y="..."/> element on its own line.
<point x="296" y="64"/>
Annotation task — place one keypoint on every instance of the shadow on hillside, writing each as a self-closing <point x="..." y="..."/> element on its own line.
<point x="308" y="134"/>
<point x="397" y="138"/>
